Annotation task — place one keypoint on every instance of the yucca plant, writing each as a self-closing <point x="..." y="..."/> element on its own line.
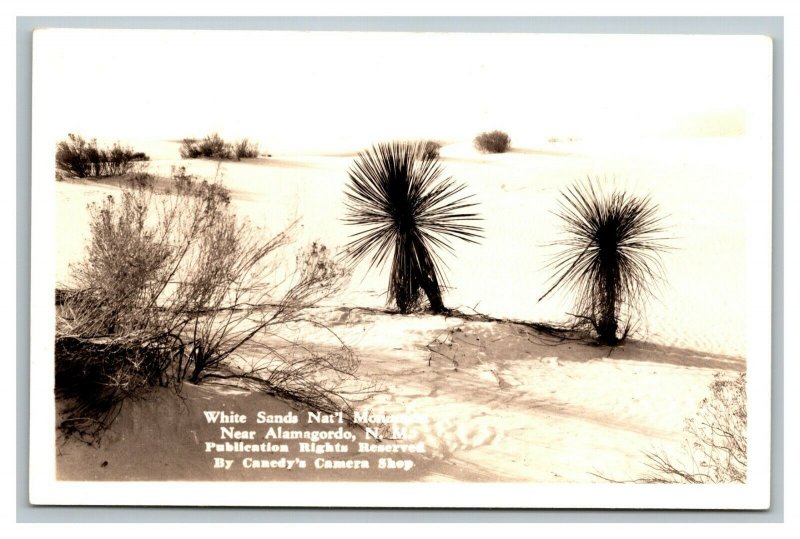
<point x="409" y="212"/>
<point x="610" y="257"/>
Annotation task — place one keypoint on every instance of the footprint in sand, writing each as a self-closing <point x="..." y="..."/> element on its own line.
<point x="449" y="436"/>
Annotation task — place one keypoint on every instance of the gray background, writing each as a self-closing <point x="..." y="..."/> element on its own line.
<point x="771" y="26"/>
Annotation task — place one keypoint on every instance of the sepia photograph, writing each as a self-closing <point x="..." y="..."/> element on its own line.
<point x="400" y="269"/>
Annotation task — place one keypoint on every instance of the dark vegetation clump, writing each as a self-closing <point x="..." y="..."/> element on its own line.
<point x="245" y="149"/>
<point x="407" y="211"/>
<point x="610" y="257"/>
<point x="94" y="377"/>
<point x="78" y="158"/>
<point x="430" y="149"/>
<point x="493" y="142"/>
<point x="173" y="289"/>
<point x="140" y="179"/>
<point x="188" y="185"/>
<point x="214" y="147"/>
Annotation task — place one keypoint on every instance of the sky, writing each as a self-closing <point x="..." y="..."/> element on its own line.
<point x="328" y="90"/>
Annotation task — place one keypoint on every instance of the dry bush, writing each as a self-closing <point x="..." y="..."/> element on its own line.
<point x="190" y="148"/>
<point x="94" y="376"/>
<point x="493" y="142"/>
<point x="189" y="185"/>
<point x="214" y="146"/>
<point x="716" y="446"/>
<point x="430" y="149"/>
<point x="245" y="149"/>
<point x="78" y="158"/>
<point x="139" y="178"/>
<point x="174" y="287"/>
<point x="323" y="378"/>
<point x="71" y="156"/>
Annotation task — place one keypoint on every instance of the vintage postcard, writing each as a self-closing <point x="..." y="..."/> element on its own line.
<point x="401" y="269"/>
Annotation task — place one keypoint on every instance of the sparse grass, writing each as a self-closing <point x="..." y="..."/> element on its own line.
<point x="407" y="211"/>
<point x="493" y="142"/>
<point x="78" y="158"/>
<point x="609" y="258"/>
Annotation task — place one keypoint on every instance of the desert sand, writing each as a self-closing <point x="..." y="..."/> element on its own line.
<point x="501" y="401"/>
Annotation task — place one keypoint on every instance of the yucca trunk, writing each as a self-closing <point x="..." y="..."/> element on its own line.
<point x="607" y="324"/>
<point x="607" y="319"/>
<point x="428" y="281"/>
<point x="412" y="270"/>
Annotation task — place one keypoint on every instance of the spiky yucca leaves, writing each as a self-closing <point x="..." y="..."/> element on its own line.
<point x="610" y="257"/>
<point x="408" y="211"/>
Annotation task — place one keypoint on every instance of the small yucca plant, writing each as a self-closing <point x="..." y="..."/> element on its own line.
<point x="407" y="211"/>
<point x="610" y="257"/>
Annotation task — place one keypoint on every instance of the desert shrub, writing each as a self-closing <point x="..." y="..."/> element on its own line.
<point x="77" y="157"/>
<point x="71" y="156"/>
<point x="430" y="149"/>
<point x="141" y="180"/>
<point x="190" y="148"/>
<point x="119" y="160"/>
<point x="245" y="149"/>
<point x="609" y="257"/>
<point x="493" y="142"/>
<point x="716" y="444"/>
<point x="406" y="211"/>
<point x="172" y="288"/>
<point x="214" y="147"/>
<point x="138" y="177"/>
<point x="185" y="184"/>
<point x="93" y="378"/>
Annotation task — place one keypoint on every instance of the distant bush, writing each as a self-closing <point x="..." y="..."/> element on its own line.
<point x="190" y="148"/>
<point x="188" y="185"/>
<point x="245" y="149"/>
<point x="430" y="149"/>
<point x="214" y="147"/>
<point x="140" y="179"/>
<point x="77" y="157"/>
<point x="493" y="142"/>
<point x="556" y="140"/>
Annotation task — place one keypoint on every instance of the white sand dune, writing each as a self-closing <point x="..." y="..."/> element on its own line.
<point x="503" y="401"/>
<point x="698" y="306"/>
